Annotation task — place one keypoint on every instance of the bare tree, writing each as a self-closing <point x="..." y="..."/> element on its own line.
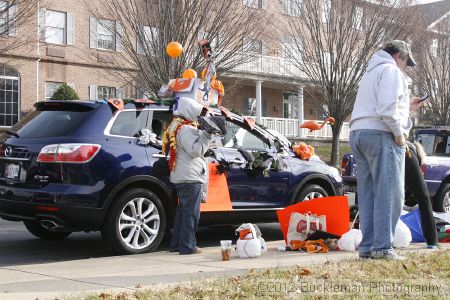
<point x="13" y="15"/>
<point x="335" y="40"/>
<point x="147" y="26"/>
<point x="432" y="74"/>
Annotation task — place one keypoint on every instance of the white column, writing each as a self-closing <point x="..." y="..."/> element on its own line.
<point x="258" y="102"/>
<point x="300" y="110"/>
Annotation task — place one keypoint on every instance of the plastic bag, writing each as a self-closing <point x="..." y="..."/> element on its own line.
<point x="350" y="240"/>
<point x="303" y="225"/>
<point x="402" y="236"/>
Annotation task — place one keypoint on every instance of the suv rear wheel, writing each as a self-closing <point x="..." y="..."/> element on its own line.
<point x="36" y="229"/>
<point x="136" y="222"/>
<point x="441" y="202"/>
<point x="311" y="191"/>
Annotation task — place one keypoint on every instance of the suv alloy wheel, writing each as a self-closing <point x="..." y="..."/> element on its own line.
<point x="136" y="222"/>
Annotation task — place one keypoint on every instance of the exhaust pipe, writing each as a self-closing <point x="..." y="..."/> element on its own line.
<point x="51" y="225"/>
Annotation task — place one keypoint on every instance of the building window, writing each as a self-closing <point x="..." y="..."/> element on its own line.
<point x="9" y="96"/>
<point x="261" y="4"/>
<point x="249" y="106"/>
<point x="326" y="10"/>
<point x="106" y="92"/>
<point x="292" y="48"/>
<point x="106" y="34"/>
<point x="358" y="18"/>
<point x="147" y="40"/>
<point x="50" y="88"/>
<point x="7" y="18"/>
<point x="253" y="46"/>
<point x="55" y="27"/>
<point x="292" y="7"/>
<point x="434" y="48"/>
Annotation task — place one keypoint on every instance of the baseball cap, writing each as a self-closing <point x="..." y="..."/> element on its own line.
<point x="401" y="46"/>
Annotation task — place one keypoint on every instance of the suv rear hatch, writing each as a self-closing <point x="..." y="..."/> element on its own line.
<point x="51" y="123"/>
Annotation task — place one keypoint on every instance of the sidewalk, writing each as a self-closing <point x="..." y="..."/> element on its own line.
<point x="113" y="274"/>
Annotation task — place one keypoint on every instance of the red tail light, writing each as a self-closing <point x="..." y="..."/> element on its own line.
<point x="344" y="164"/>
<point x="423" y="169"/>
<point x="68" y="153"/>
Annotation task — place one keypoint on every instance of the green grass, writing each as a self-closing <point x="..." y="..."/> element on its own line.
<point x="323" y="150"/>
<point x="351" y="279"/>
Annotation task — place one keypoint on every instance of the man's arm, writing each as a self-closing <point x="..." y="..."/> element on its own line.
<point x="194" y="141"/>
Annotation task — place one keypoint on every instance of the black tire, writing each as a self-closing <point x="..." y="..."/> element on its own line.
<point x="309" y="190"/>
<point x="115" y="237"/>
<point x="36" y="229"/>
<point x="441" y="202"/>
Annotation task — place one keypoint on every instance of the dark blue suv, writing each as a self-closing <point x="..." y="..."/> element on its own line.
<point x="80" y="166"/>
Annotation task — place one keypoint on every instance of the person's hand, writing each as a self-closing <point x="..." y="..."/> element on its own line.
<point x="400" y="140"/>
<point x="415" y="103"/>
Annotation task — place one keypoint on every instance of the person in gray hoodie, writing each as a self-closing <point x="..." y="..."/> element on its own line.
<point x="188" y="169"/>
<point x="379" y="126"/>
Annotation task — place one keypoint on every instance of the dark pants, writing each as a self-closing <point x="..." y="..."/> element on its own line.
<point x="186" y="217"/>
<point x="415" y="183"/>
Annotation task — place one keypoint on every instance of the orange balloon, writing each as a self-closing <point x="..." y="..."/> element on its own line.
<point x="174" y="49"/>
<point x="189" y="73"/>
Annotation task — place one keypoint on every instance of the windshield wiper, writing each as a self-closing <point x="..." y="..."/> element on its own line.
<point x="12" y="133"/>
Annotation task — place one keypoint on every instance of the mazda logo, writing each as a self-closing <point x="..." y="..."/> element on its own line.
<point x="8" y="151"/>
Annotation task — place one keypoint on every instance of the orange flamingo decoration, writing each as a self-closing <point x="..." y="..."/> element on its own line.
<point x="313" y="125"/>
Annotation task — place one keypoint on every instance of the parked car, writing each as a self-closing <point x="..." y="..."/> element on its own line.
<point x="80" y="166"/>
<point x="436" y="167"/>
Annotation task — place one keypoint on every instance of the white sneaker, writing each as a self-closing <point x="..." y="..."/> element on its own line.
<point x="386" y="254"/>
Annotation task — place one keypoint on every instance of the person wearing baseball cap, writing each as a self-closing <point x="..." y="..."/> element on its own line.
<point x="379" y="126"/>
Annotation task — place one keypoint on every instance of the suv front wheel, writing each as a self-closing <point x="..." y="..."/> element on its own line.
<point x="441" y="202"/>
<point x="135" y="223"/>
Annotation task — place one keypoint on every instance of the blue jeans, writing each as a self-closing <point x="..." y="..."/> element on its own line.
<point x="380" y="175"/>
<point x="186" y="217"/>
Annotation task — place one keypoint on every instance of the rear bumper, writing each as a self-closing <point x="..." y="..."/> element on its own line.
<point x="71" y="218"/>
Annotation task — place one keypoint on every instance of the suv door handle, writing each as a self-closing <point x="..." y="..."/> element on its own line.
<point x="237" y="162"/>
<point x="159" y="155"/>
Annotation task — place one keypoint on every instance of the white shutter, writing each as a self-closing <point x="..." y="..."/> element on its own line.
<point x="119" y="37"/>
<point x="93" y="92"/>
<point x="139" y="39"/>
<point x="263" y="4"/>
<point x="70" y="38"/>
<point x="42" y="22"/>
<point x="12" y="13"/>
<point x="93" y="32"/>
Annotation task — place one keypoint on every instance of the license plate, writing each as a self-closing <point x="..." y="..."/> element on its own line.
<point x="12" y="171"/>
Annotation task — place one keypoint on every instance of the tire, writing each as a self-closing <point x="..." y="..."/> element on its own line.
<point x="36" y="229"/>
<point x="441" y="202"/>
<point x="311" y="191"/>
<point x="141" y="231"/>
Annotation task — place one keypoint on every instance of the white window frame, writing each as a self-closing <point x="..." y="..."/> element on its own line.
<point x="51" y="87"/>
<point x="109" y="91"/>
<point x="293" y="8"/>
<point x="326" y="10"/>
<point x="50" y="26"/>
<point x="292" y="42"/>
<point x="9" y="17"/>
<point x="258" y="4"/>
<point x="108" y="28"/>
<point x="434" y="47"/>
<point x="249" y="43"/>
<point x="150" y="38"/>
<point x="357" y="18"/>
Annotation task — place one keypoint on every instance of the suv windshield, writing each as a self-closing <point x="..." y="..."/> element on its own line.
<point x="49" y="123"/>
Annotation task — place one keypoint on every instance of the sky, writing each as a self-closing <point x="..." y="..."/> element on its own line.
<point x="427" y="1"/>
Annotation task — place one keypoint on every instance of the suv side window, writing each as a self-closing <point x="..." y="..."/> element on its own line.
<point x="158" y="122"/>
<point x="129" y="122"/>
<point x="239" y="136"/>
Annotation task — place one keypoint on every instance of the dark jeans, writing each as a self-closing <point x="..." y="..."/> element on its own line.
<point x="186" y="217"/>
<point x="415" y="183"/>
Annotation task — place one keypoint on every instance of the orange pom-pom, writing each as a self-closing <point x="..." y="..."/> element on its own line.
<point x="303" y="150"/>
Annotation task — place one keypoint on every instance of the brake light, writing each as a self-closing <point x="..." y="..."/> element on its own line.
<point x="68" y="153"/>
<point x="1" y="150"/>
<point x="344" y="164"/>
<point x="422" y="167"/>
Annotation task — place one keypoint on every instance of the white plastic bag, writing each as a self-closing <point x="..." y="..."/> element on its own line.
<point x="402" y="236"/>
<point x="303" y="225"/>
<point x="350" y="240"/>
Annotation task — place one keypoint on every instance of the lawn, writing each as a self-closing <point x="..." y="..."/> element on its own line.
<point x="420" y="276"/>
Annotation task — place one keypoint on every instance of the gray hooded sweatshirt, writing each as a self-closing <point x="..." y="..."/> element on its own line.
<point x="382" y="102"/>
<point x="190" y="165"/>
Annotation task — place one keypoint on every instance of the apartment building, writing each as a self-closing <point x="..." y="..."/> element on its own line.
<point x="70" y="45"/>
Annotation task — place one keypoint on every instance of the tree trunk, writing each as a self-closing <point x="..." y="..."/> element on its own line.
<point x="336" y="129"/>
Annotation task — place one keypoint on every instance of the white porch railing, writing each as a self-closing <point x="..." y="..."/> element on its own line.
<point x="271" y="65"/>
<point x="290" y="129"/>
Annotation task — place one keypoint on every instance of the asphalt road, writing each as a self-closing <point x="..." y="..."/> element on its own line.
<point x="18" y="247"/>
